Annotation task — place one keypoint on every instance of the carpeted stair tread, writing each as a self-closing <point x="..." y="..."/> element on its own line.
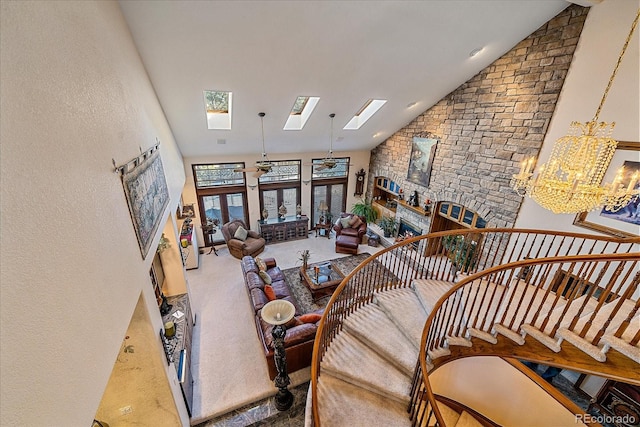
<point x="552" y="343"/>
<point x="523" y="298"/>
<point x="404" y="309"/>
<point x="343" y="404"/>
<point x="430" y="291"/>
<point x="631" y="351"/>
<point x="483" y="335"/>
<point x="352" y="361"/>
<point x="582" y="344"/>
<point x="512" y="335"/>
<point x="573" y="309"/>
<point x="449" y="416"/>
<point x="603" y="315"/>
<point x="482" y="301"/>
<point x="374" y="328"/>
<point x="467" y="420"/>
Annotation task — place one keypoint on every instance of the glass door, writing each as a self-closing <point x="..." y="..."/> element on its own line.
<point x="223" y="208"/>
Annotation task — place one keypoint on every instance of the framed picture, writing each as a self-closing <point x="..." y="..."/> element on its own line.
<point x="188" y="211"/>
<point x="423" y="150"/>
<point x="147" y="195"/>
<point x="626" y="221"/>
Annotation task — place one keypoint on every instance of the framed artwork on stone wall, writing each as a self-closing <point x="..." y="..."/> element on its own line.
<point x="626" y="221"/>
<point x="423" y="151"/>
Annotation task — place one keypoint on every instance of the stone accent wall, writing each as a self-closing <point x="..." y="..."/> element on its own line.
<point x="489" y="125"/>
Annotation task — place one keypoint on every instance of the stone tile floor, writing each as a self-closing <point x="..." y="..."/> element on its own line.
<point x="264" y="413"/>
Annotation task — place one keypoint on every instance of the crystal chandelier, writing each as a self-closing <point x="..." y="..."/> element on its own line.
<point x="570" y="182"/>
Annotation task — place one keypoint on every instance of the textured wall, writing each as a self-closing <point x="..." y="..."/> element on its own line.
<point x="74" y="96"/>
<point x="490" y="124"/>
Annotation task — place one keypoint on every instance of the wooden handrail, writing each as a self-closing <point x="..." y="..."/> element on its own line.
<point x="397" y="266"/>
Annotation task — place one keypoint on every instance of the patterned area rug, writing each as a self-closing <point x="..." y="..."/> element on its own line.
<point x="303" y="295"/>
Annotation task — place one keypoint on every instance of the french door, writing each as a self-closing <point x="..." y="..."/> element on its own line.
<point x="224" y="207"/>
<point x="333" y="194"/>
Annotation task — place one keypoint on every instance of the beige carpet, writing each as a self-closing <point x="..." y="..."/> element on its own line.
<point x="228" y="365"/>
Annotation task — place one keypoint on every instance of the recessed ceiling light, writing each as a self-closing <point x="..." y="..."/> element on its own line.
<point x="412" y="104"/>
<point x="375" y="135"/>
<point x="475" y="51"/>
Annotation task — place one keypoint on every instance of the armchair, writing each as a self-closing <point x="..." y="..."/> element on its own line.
<point x="350" y="226"/>
<point x="252" y="245"/>
<point x="349" y="230"/>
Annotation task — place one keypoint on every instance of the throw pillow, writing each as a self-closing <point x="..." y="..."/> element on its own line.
<point x="269" y="292"/>
<point x="262" y="265"/>
<point x="241" y="233"/>
<point x="345" y="222"/>
<point x="265" y="276"/>
<point x="310" y="317"/>
<point x="355" y="221"/>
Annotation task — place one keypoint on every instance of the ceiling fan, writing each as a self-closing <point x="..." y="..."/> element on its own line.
<point x="328" y="162"/>
<point x="264" y="165"/>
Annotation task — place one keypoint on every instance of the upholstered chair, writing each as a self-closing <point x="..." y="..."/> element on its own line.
<point x="242" y="241"/>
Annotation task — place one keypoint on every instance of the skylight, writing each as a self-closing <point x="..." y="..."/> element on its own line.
<point x="217" y="105"/>
<point x="368" y="109"/>
<point x="300" y="112"/>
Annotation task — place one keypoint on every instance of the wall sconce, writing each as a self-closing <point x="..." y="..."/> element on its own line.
<point x="306" y="181"/>
<point x="253" y="186"/>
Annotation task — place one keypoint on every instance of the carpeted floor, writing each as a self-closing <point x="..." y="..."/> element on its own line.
<point x="228" y="365"/>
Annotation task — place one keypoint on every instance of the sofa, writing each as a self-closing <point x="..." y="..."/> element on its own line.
<point x="252" y="244"/>
<point x="300" y="336"/>
<point x="349" y="230"/>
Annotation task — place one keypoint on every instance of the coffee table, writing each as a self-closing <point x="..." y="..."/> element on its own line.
<point x="328" y="278"/>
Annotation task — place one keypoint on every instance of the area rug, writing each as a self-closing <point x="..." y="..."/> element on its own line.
<point x="346" y="265"/>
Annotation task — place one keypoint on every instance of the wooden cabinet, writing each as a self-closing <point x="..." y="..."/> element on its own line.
<point x="277" y="230"/>
<point x="385" y="196"/>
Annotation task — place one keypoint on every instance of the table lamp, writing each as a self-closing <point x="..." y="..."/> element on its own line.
<point x="277" y="313"/>
<point x="323" y="208"/>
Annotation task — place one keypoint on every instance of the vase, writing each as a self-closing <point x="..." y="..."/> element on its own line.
<point x="265" y="214"/>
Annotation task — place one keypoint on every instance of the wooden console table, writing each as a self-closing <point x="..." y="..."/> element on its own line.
<point x="291" y="228"/>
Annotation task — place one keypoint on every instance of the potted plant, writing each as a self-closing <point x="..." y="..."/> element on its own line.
<point x="389" y="225"/>
<point x="460" y="251"/>
<point x="304" y="257"/>
<point x="365" y="209"/>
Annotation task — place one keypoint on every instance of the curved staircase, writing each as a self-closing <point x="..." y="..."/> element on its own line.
<point x="562" y="299"/>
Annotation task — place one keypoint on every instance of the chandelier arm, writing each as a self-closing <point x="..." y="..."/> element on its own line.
<point x="615" y="70"/>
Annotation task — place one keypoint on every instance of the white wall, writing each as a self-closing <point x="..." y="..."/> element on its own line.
<point x="500" y="392"/>
<point x="74" y="96"/>
<point x="601" y="41"/>
<point x="358" y="160"/>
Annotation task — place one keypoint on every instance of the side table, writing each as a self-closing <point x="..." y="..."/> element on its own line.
<point x="326" y="227"/>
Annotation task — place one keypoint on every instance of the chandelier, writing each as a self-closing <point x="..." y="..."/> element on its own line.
<point x="570" y="181"/>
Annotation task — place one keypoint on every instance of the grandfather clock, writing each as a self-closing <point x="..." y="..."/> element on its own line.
<point x="360" y="182"/>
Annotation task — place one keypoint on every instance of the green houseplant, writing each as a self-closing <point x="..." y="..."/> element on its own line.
<point x="389" y="225"/>
<point x="460" y="251"/>
<point x="365" y="209"/>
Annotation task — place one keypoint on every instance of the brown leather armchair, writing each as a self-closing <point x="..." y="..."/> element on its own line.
<point x="252" y="245"/>
<point x="349" y="230"/>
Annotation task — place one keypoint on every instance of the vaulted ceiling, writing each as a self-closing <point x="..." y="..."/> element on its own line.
<point x="410" y="53"/>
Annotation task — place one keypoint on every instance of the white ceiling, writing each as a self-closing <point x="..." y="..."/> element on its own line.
<point x="346" y="52"/>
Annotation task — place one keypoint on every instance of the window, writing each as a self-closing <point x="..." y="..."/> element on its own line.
<point x="221" y="194"/>
<point x="366" y="111"/>
<point x="280" y="185"/>
<point x="329" y="185"/>
<point x="300" y="112"/>
<point x="217" y="106"/>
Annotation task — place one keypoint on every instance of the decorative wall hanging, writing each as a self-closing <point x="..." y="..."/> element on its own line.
<point x="625" y="221"/>
<point x="423" y="151"/>
<point x="147" y="194"/>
